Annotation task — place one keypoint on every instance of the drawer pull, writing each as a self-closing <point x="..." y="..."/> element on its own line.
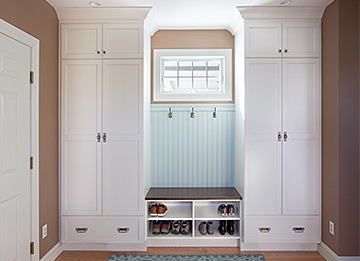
<point x="122" y="229"/>
<point x="298" y="229"/>
<point x="81" y="229"/>
<point x="264" y="229"/>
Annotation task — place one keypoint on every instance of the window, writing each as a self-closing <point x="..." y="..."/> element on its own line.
<point x="192" y="75"/>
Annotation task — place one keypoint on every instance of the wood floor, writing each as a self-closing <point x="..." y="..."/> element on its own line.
<point x="270" y="256"/>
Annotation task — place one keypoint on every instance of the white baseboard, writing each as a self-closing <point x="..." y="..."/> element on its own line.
<point x="104" y="246"/>
<point x="278" y="247"/>
<point x="53" y="253"/>
<point x="193" y="242"/>
<point x="330" y="255"/>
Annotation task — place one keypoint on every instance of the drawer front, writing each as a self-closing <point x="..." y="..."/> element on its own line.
<point x="101" y="230"/>
<point x="281" y="229"/>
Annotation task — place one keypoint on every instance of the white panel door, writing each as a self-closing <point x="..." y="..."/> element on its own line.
<point x="81" y="153"/>
<point x="122" y="41"/>
<point x="81" y="41"/>
<point x="301" y="39"/>
<point x="263" y="39"/>
<point x="301" y="150"/>
<point x="122" y="114"/>
<point x="14" y="150"/>
<point x="263" y="149"/>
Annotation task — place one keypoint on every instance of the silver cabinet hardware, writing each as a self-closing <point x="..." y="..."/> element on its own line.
<point x="298" y="229"/>
<point x="123" y="229"/>
<point x="192" y="114"/>
<point x="285" y="136"/>
<point x="98" y="137"/>
<point x="279" y="136"/>
<point x="81" y="230"/>
<point x="104" y="137"/>
<point x="170" y="113"/>
<point x="214" y="113"/>
<point x="264" y="229"/>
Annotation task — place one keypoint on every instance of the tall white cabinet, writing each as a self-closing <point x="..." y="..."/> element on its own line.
<point x="102" y="101"/>
<point x="282" y="133"/>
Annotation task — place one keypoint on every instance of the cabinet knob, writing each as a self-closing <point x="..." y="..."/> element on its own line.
<point x="104" y="52"/>
<point x="279" y="50"/>
<point x="98" y="52"/>
<point x="279" y="136"/>
<point x="98" y="137"/>
<point x="286" y="50"/>
<point x="104" y="137"/>
<point x="285" y="136"/>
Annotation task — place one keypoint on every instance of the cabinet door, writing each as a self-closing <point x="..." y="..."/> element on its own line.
<point x="122" y="122"/>
<point x="81" y="41"/>
<point x="263" y="39"/>
<point x="262" y="148"/>
<point x="301" y="151"/>
<point x="301" y="39"/>
<point x="123" y="41"/>
<point x="81" y="153"/>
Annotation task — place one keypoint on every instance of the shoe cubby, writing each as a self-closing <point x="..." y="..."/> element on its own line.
<point x="217" y="234"/>
<point x="195" y="205"/>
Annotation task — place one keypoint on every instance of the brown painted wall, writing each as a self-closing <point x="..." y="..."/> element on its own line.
<point x="191" y="39"/>
<point x="38" y="18"/>
<point x="340" y="157"/>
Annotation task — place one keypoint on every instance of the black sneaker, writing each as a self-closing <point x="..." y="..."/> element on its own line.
<point x="230" y="210"/>
<point x="222" y="210"/>
<point x="156" y="227"/>
<point x="175" y="227"/>
<point x="165" y="227"/>
<point x="185" y="227"/>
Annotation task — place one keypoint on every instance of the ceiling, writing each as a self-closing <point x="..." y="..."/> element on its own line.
<point x="188" y="14"/>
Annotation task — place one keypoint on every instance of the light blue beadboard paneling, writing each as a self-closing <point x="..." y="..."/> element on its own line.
<point x="192" y="152"/>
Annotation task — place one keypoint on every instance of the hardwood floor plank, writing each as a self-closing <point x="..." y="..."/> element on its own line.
<point x="269" y="255"/>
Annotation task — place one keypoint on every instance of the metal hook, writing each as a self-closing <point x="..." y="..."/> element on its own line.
<point x="214" y="113"/>
<point x="192" y="114"/>
<point x="170" y="113"/>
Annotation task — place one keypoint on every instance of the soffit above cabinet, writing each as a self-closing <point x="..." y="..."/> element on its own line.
<point x="185" y="14"/>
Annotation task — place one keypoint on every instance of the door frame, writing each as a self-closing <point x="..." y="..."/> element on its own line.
<point x="34" y="45"/>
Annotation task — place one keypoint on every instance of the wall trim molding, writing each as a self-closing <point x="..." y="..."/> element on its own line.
<point x="105" y="246"/>
<point x="278" y="247"/>
<point x="330" y="255"/>
<point x="53" y="253"/>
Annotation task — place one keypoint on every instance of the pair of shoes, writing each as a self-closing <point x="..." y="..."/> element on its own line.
<point x="161" y="227"/>
<point x="226" y="226"/>
<point x="226" y="210"/>
<point x="181" y="227"/>
<point x="158" y="210"/>
<point x="206" y="227"/>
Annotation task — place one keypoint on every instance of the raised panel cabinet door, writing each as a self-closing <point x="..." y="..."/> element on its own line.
<point x="262" y="145"/>
<point x="301" y="149"/>
<point x="123" y="41"/>
<point x="80" y="123"/>
<point x="301" y="39"/>
<point x="121" y="170"/>
<point x="81" y="41"/>
<point x="263" y="39"/>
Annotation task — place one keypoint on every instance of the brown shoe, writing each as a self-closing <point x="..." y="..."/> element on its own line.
<point x="161" y="210"/>
<point x="154" y="210"/>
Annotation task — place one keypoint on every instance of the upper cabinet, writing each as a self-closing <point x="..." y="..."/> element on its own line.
<point x="287" y="39"/>
<point x="96" y="41"/>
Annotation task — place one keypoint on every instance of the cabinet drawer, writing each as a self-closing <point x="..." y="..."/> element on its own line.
<point x="282" y="229"/>
<point x="100" y="230"/>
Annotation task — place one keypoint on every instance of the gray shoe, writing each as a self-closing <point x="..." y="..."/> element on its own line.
<point x="185" y="227"/>
<point x="202" y="228"/>
<point x="210" y="227"/>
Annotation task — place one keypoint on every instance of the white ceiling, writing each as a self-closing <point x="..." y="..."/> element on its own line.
<point x="188" y="14"/>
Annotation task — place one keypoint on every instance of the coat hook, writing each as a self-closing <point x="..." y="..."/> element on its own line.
<point x="170" y="113"/>
<point x="192" y="114"/>
<point x="214" y="113"/>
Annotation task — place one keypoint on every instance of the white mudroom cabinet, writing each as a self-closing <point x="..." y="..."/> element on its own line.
<point x="282" y="133"/>
<point x="102" y="101"/>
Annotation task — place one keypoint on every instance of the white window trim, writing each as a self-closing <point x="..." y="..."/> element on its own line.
<point x="224" y="96"/>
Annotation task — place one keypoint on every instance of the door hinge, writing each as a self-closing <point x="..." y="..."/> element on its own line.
<point x="31" y="77"/>
<point x="32" y="248"/>
<point x="31" y="162"/>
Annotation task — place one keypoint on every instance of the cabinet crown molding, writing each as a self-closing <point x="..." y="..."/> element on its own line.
<point x="103" y="14"/>
<point x="281" y="13"/>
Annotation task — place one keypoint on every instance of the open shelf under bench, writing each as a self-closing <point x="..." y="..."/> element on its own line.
<point x="194" y="205"/>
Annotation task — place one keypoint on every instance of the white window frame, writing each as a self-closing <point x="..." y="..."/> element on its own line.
<point x="223" y="95"/>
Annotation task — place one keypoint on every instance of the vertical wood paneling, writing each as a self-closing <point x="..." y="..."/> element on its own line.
<point x="192" y="152"/>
